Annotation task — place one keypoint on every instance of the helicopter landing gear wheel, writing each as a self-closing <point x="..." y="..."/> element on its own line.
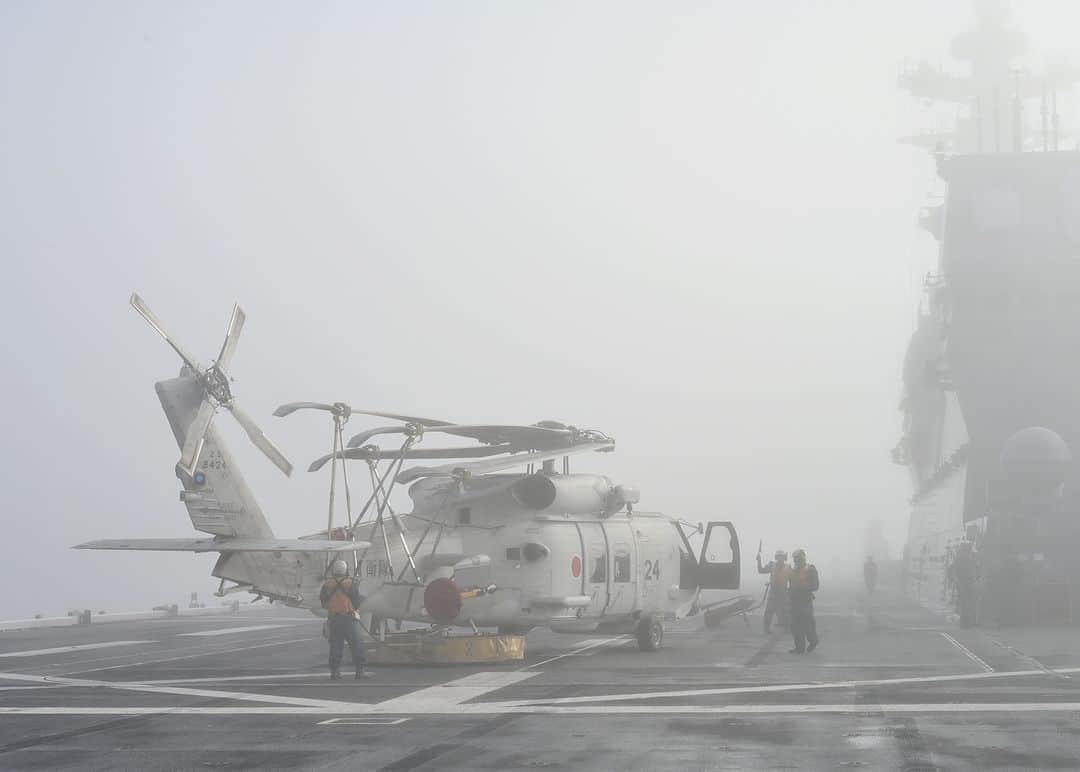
<point x="650" y="633"/>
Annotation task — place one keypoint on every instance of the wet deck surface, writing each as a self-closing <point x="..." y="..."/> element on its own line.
<point x="250" y="691"/>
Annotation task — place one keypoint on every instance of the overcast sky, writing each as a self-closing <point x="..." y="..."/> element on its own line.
<point x="686" y="224"/>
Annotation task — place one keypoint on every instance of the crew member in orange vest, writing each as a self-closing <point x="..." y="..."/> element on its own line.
<point x="802" y="584"/>
<point x="341" y="598"/>
<point x="776" y="599"/>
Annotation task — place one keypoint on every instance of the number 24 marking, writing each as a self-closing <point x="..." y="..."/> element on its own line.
<point x="652" y="570"/>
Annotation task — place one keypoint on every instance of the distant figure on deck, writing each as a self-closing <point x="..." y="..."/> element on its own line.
<point x="776" y="598"/>
<point x="802" y="584"/>
<point x="340" y="596"/>
<point x="869" y="574"/>
<point x="965" y="571"/>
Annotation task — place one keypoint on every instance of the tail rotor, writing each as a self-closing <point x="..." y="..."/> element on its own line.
<point x="216" y="392"/>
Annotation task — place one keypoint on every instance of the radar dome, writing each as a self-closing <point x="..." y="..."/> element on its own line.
<point x="1035" y="459"/>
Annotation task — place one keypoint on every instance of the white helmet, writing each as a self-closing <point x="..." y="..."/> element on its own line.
<point x="339" y="568"/>
<point x="780" y="555"/>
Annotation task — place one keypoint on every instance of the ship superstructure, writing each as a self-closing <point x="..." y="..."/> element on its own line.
<point x="991" y="378"/>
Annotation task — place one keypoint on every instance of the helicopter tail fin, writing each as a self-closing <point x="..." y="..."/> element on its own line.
<point x="218" y="500"/>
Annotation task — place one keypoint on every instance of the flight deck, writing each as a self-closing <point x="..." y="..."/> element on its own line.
<point x="905" y="690"/>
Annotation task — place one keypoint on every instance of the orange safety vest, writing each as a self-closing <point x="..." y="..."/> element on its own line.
<point x="779" y="575"/>
<point x="340" y="601"/>
<point x="800" y="579"/>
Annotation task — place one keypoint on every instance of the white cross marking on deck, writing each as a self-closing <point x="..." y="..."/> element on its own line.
<point x="66" y="649"/>
<point x="449" y="696"/>
<point x="968" y="652"/>
<point x="230" y="630"/>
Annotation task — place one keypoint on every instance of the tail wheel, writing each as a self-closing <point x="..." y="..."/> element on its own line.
<point x="650" y="633"/>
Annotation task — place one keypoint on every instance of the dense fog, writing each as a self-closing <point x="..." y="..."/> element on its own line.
<point x="688" y="225"/>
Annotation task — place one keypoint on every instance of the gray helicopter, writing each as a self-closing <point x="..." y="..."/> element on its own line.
<point x="498" y="537"/>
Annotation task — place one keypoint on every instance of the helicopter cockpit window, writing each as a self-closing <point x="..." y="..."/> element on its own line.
<point x="719" y="548"/>
<point x="621" y="564"/>
<point x="598" y="565"/>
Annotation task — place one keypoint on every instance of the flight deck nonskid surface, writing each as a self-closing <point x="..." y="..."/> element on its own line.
<point x="251" y="691"/>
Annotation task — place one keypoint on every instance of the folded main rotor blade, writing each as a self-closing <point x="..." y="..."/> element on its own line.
<point x="232" y="335"/>
<point x="407" y="418"/>
<point x="292" y="407"/>
<point x="144" y="310"/>
<point x="525" y="437"/>
<point x="261" y="441"/>
<point x="358" y="440"/>
<point x="476" y="468"/>
<point x="193" y="443"/>
<point x="380" y="454"/>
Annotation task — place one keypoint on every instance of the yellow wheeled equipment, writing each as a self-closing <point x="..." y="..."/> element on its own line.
<point x="423" y="647"/>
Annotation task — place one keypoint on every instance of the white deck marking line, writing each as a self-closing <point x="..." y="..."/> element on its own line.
<point x="229" y="631"/>
<point x="844" y="708"/>
<point x="858" y="665"/>
<point x="66" y="649"/>
<point x="373" y="721"/>
<point x="1027" y="660"/>
<point x="205" y="653"/>
<point x="136" y="686"/>
<point x="488" y="708"/>
<point x="525" y="706"/>
<point x="450" y="695"/>
<point x="23" y="688"/>
<point x="968" y="652"/>
<point x="209" y="680"/>
<point x="798" y="687"/>
<point x="195" y="646"/>
<point x="589" y="645"/>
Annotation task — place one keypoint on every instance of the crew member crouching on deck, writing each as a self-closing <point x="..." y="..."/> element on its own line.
<point x="341" y="598"/>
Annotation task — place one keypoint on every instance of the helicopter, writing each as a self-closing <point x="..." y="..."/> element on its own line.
<point x="503" y="536"/>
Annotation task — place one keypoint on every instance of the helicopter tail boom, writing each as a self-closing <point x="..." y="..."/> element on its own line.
<point x="218" y="500"/>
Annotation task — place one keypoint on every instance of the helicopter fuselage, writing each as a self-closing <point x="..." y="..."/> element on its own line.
<point x="514" y="567"/>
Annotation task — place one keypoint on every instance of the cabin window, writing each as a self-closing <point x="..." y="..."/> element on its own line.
<point x="464" y="516"/>
<point x="513" y="553"/>
<point x="597" y="565"/>
<point x="621" y="563"/>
